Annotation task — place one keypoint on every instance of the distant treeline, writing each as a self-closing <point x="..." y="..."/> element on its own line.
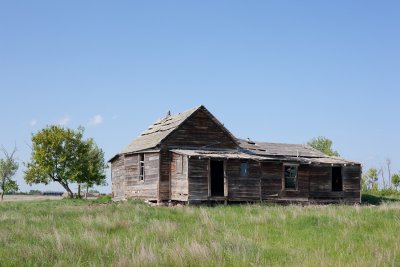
<point x="37" y="192"/>
<point x="382" y="180"/>
<point x="45" y="193"/>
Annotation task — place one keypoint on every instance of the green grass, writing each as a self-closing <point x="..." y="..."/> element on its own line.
<point x="99" y="233"/>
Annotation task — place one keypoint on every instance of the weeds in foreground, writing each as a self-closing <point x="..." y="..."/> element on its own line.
<point x="103" y="233"/>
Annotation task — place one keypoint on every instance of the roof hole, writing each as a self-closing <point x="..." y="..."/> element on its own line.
<point x="249" y="141"/>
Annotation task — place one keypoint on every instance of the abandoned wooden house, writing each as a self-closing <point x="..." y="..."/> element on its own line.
<point x="191" y="157"/>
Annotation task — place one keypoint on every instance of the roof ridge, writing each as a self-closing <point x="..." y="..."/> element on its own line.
<point x="159" y="130"/>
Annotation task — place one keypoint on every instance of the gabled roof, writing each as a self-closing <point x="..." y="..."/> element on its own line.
<point x="158" y="131"/>
<point x="277" y="149"/>
<point x="162" y="128"/>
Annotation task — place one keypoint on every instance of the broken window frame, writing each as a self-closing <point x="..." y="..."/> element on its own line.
<point x="286" y="178"/>
<point x="179" y="164"/>
<point x="141" y="168"/>
<point x="244" y="168"/>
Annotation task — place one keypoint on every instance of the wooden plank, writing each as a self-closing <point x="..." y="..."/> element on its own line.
<point x="198" y="179"/>
<point x="200" y="131"/>
<point x="118" y="177"/>
<point x="165" y="172"/>
<point x="179" y="178"/>
<point x="352" y="183"/>
<point x="148" y="189"/>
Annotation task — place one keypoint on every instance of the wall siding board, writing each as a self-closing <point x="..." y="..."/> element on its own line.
<point x="147" y="189"/>
<point x="271" y="180"/>
<point x="200" y="131"/>
<point x="320" y="179"/>
<point x="118" y="178"/>
<point x="179" y="181"/>
<point x="352" y="183"/>
<point x="131" y="169"/>
<point x="165" y="170"/>
<point x="243" y="188"/>
<point x="198" y="179"/>
<point x="264" y="180"/>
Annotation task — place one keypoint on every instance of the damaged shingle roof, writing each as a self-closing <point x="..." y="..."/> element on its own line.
<point x="158" y="131"/>
<point x="276" y="149"/>
<point x="292" y="152"/>
<point x="244" y="155"/>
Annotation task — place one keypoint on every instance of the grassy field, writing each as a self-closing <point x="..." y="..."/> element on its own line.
<point x="91" y="233"/>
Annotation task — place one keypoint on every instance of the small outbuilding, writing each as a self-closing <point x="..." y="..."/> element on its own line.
<point x="191" y="157"/>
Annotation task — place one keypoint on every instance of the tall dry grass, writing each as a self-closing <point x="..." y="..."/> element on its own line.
<point x="79" y="233"/>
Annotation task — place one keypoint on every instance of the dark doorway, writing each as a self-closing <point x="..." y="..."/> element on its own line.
<point x="217" y="178"/>
<point x="337" y="179"/>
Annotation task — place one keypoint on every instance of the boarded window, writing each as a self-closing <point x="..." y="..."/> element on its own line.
<point x="290" y="177"/>
<point x="244" y="169"/>
<point x="179" y="164"/>
<point x="141" y="167"/>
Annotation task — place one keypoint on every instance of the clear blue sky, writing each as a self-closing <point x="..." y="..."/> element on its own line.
<point x="278" y="71"/>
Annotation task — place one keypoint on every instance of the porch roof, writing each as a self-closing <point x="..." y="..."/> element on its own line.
<point x="234" y="154"/>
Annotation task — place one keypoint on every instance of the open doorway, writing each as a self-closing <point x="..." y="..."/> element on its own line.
<point x="337" y="179"/>
<point x="217" y="178"/>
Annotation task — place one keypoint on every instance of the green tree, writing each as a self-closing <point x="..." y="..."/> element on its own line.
<point x="35" y="192"/>
<point x="371" y="178"/>
<point x="324" y="145"/>
<point x="95" y="171"/>
<point x="396" y="181"/>
<point x="62" y="155"/>
<point x="8" y="168"/>
<point x="364" y="183"/>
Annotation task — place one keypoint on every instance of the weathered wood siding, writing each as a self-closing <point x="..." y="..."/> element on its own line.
<point x="243" y="188"/>
<point x="321" y="184"/>
<point x="320" y="179"/>
<point x="179" y="178"/>
<point x="271" y="180"/>
<point x="198" y="179"/>
<point x="165" y="171"/>
<point x="147" y="189"/>
<point x="131" y="163"/>
<point x="118" y="178"/>
<point x="352" y="183"/>
<point x="265" y="182"/>
<point x="200" y="131"/>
